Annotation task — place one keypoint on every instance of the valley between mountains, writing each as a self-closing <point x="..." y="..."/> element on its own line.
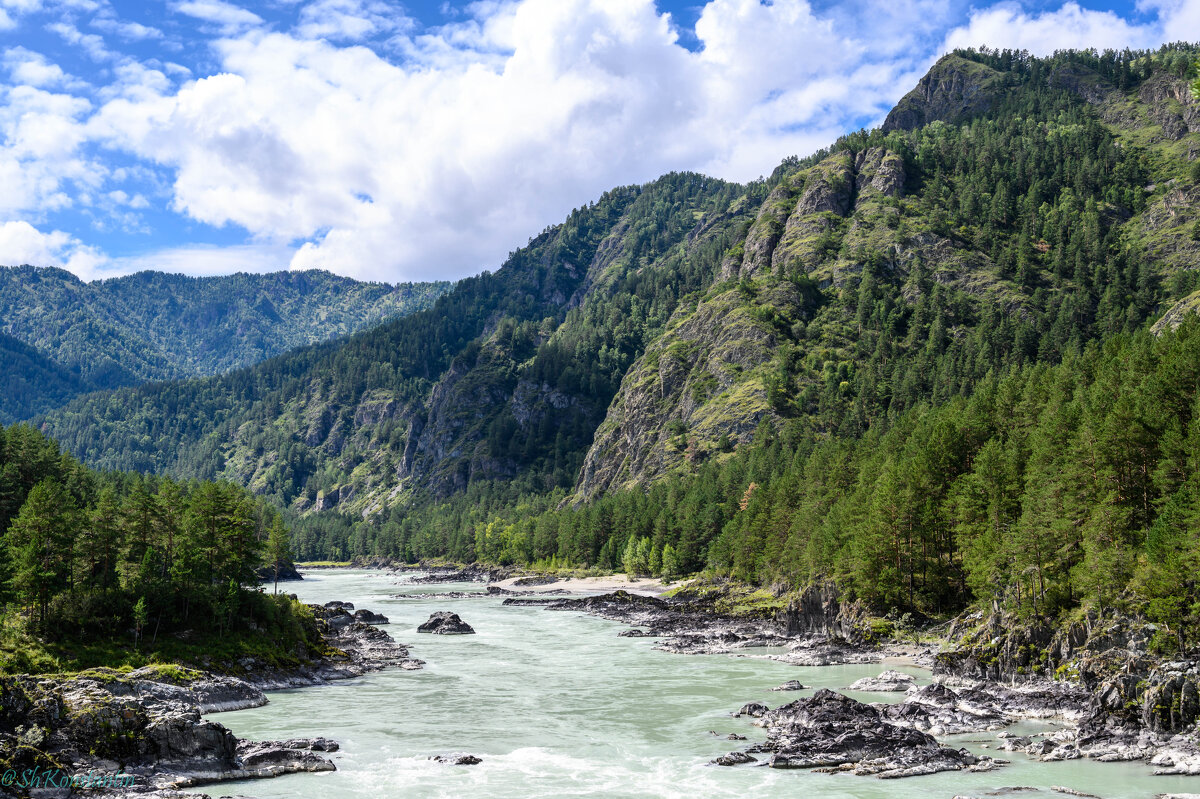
<point x="930" y="393"/>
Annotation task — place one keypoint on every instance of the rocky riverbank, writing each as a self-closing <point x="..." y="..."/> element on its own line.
<point x="1116" y="701"/>
<point x="149" y="723"/>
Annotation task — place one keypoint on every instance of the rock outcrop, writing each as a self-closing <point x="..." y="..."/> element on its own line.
<point x="835" y="732"/>
<point x="147" y="724"/>
<point x="352" y="648"/>
<point x="954" y="88"/>
<point x="370" y="617"/>
<point x="445" y="623"/>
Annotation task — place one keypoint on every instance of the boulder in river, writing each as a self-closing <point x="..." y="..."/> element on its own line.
<point x="887" y="681"/>
<point x="839" y="733"/>
<point x="734" y="759"/>
<point x="754" y="709"/>
<point x="445" y="623"/>
<point x="370" y="617"/>
<point x="790" y="685"/>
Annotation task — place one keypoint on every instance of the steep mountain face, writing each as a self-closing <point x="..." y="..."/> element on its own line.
<point x="155" y="326"/>
<point x="1010" y="211"/>
<point x="505" y="377"/>
<point x="955" y="88"/>
<point x="693" y="395"/>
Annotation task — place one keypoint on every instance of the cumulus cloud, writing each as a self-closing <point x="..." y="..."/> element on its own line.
<point x="492" y="127"/>
<point x="1179" y="19"/>
<point x="40" y="163"/>
<point x="28" y="68"/>
<point x="342" y="134"/>
<point x="22" y="243"/>
<point x="1068" y="27"/>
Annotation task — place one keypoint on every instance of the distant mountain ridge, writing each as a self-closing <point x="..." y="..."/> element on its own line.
<point x="154" y="326"/>
<point x="1011" y="211"/>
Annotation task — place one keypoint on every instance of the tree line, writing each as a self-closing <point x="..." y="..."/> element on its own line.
<point x="129" y="558"/>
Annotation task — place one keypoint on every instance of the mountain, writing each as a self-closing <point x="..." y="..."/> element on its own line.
<point x="31" y="381"/>
<point x="155" y="326"/>
<point x="801" y="377"/>
<point x="504" y="377"/>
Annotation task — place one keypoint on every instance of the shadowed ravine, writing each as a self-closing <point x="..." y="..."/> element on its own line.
<point x="557" y="705"/>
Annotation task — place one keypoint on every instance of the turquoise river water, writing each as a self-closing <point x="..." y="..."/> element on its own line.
<point x="557" y="705"/>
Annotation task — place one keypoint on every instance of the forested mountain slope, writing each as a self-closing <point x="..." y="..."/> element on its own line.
<point x="506" y="377"/>
<point x="802" y="372"/>
<point x="156" y="326"/>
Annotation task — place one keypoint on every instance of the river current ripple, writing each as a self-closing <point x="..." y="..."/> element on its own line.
<point x="557" y="705"/>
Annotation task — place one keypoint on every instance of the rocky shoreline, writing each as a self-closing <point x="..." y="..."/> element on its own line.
<point x="149" y="723"/>
<point x="1117" y="703"/>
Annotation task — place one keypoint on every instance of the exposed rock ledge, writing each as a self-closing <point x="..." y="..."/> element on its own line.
<point x="833" y="732"/>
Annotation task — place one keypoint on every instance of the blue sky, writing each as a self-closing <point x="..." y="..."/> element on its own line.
<point x="394" y="140"/>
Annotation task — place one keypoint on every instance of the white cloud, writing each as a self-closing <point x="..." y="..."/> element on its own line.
<point x="202" y="260"/>
<point x="40" y="137"/>
<point x="434" y="151"/>
<point x="351" y="20"/>
<point x="440" y="166"/>
<point x="228" y="17"/>
<point x="1180" y="19"/>
<point x="90" y="43"/>
<point x="125" y="29"/>
<point x="1071" y="26"/>
<point x="32" y="69"/>
<point x="22" y="243"/>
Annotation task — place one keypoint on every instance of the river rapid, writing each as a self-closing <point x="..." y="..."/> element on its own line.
<point x="557" y="705"/>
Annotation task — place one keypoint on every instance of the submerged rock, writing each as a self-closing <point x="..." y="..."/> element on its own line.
<point x="790" y="685"/>
<point x="445" y="623"/>
<point x="734" y="759"/>
<point x="457" y="760"/>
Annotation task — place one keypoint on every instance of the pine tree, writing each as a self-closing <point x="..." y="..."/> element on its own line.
<point x="279" y="552"/>
<point x="41" y="540"/>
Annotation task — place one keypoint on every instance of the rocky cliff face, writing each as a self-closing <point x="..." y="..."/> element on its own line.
<point x="704" y="386"/>
<point x="954" y="88"/>
<point x="821" y="610"/>
<point x="698" y="391"/>
<point x="1107" y="653"/>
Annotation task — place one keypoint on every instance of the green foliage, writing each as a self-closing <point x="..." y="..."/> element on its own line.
<point x="965" y="406"/>
<point x="103" y="569"/>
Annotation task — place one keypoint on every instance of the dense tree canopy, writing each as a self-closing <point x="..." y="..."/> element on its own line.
<point x="84" y="554"/>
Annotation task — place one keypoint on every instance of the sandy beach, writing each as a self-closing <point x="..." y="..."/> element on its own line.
<point x="646" y="586"/>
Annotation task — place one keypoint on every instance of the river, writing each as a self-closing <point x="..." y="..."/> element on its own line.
<point x="557" y="705"/>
